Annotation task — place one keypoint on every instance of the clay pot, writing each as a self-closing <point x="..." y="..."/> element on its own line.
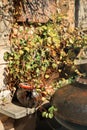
<point x="71" y="101"/>
<point x="28" y="96"/>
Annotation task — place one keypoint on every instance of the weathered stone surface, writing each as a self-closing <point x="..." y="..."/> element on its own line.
<point x="2" y="27"/>
<point x="1" y="126"/>
<point x="82" y="14"/>
<point x="64" y="6"/>
<point x="5" y="27"/>
<point x="16" y="111"/>
<point x="3" y="64"/>
<point x="67" y="8"/>
<point x="35" y="10"/>
<point x="6" y="123"/>
<point x="9" y="124"/>
<point x="71" y="14"/>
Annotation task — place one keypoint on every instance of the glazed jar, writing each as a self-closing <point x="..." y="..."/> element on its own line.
<point x="71" y="101"/>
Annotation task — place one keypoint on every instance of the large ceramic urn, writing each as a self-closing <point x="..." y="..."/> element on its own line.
<point x="71" y="101"/>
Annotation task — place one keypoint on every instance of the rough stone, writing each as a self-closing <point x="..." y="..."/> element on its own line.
<point x="82" y="14"/>
<point x="64" y="6"/>
<point x="1" y="126"/>
<point x="2" y="27"/>
<point x="3" y="64"/>
<point x="9" y="124"/>
<point x="6" y="123"/>
<point x="5" y="26"/>
<point x="35" y="10"/>
<point x="67" y="8"/>
<point x="71" y="14"/>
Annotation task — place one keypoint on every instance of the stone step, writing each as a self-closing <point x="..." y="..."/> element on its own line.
<point x="15" y="111"/>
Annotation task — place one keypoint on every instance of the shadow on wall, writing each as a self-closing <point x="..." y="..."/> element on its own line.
<point x="76" y="12"/>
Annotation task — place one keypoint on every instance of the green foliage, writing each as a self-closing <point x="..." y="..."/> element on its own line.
<point x="49" y="50"/>
<point x="49" y="113"/>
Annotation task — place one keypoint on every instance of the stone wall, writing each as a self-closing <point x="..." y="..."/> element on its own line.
<point x="35" y="10"/>
<point x="67" y="7"/>
<point x="6" y="123"/>
<point x="71" y="14"/>
<point x="82" y="14"/>
<point x="5" y="26"/>
<point x="75" y="11"/>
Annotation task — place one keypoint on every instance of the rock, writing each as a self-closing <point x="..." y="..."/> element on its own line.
<point x="35" y="10"/>
<point x="6" y="123"/>
<point x="2" y="27"/>
<point x="1" y="126"/>
<point x="9" y="124"/>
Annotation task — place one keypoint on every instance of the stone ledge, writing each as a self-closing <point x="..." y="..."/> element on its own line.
<point x="15" y="111"/>
<point x="80" y="62"/>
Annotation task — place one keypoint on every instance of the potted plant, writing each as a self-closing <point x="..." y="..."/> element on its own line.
<point x="40" y="56"/>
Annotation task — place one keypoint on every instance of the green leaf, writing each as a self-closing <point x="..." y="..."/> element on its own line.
<point x="26" y="48"/>
<point x="56" y="40"/>
<point x="28" y="66"/>
<point x="71" y="40"/>
<point x="52" y="109"/>
<point x="47" y="115"/>
<point x="37" y="70"/>
<point x="50" y="115"/>
<point x="16" y="56"/>
<point x="46" y="76"/>
<point x="49" y="40"/>
<point x="54" y="65"/>
<point x="44" y="114"/>
<point x="43" y="68"/>
<point x="21" y="52"/>
<point x="6" y="55"/>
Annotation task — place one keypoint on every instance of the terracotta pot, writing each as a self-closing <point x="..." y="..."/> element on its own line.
<point x="28" y="96"/>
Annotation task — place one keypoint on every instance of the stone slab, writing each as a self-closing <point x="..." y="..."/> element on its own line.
<point x="81" y="61"/>
<point x="15" y="111"/>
